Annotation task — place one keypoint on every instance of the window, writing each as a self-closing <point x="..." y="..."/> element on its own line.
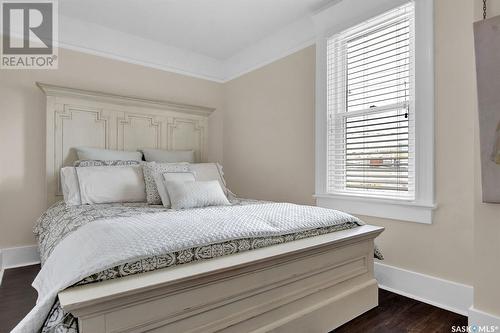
<point x="370" y="108"/>
<point x="375" y="108"/>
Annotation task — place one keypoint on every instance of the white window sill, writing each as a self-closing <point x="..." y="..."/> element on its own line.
<point x="390" y="209"/>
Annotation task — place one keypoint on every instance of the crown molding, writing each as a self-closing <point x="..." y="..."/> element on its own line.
<point x="290" y="39"/>
<point x="91" y="38"/>
<point x="59" y="91"/>
<point x="95" y="39"/>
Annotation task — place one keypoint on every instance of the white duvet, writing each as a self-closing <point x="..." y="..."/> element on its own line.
<point x="109" y="242"/>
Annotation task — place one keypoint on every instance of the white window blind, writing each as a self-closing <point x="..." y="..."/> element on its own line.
<point x="370" y="89"/>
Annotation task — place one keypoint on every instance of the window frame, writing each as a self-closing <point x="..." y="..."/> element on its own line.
<point x="350" y="13"/>
<point x="337" y="61"/>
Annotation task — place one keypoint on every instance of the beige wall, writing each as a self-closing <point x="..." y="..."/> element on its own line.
<point x="22" y="125"/>
<point x="486" y="223"/>
<point x="269" y="133"/>
<point x="269" y="146"/>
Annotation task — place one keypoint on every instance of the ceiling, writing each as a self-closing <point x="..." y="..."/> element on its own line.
<point x="215" y="28"/>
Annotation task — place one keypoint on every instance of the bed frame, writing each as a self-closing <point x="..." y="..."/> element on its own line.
<point x="310" y="285"/>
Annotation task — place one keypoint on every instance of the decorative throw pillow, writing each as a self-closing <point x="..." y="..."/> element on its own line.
<point x="168" y="156"/>
<point x="153" y="171"/>
<point x="168" y="177"/>
<point x="209" y="171"/>
<point x="197" y="194"/>
<point x="93" y="163"/>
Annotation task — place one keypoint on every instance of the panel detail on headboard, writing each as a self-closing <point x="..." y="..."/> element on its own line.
<point x="139" y="130"/>
<point x="78" y="118"/>
<point x="186" y="134"/>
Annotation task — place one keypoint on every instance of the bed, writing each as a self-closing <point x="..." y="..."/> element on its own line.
<point x="248" y="267"/>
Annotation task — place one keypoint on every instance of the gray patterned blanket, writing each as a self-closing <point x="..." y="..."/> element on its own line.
<point x="60" y="221"/>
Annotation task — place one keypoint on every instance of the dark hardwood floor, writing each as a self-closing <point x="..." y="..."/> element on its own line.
<point x="17" y="297"/>
<point x="395" y="313"/>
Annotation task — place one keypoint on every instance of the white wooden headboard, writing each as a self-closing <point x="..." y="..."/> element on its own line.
<point x="77" y="118"/>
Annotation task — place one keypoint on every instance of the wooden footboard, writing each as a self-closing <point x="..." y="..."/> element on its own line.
<point x="311" y="285"/>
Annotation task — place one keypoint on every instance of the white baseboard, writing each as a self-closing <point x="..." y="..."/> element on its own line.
<point x="481" y="318"/>
<point x="445" y="294"/>
<point x="19" y="256"/>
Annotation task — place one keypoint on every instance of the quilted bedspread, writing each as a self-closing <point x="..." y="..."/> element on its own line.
<point x="91" y="243"/>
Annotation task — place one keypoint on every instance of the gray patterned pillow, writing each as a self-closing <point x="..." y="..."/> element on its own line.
<point x="93" y="163"/>
<point x="153" y="171"/>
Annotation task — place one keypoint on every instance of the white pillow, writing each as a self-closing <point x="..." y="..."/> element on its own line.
<point x="102" y="184"/>
<point x="169" y="156"/>
<point x="70" y="186"/>
<point x="196" y="194"/>
<point x="89" y="153"/>
<point x="209" y="171"/>
<point x="168" y="177"/>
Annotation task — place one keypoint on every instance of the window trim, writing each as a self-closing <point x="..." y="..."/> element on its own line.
<point x="349" y="13"/>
